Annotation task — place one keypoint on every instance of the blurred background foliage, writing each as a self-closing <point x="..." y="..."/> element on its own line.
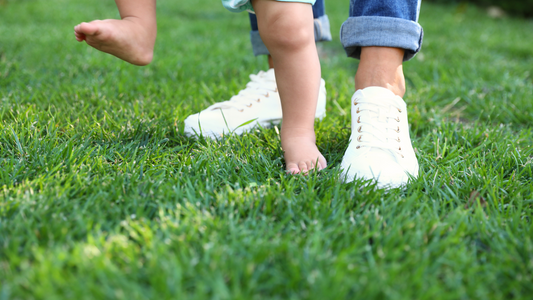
<point x="522" y="8"/>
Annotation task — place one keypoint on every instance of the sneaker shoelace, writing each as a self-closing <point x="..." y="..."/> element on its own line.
<point x="256" y="90"/>
<point x="374" y="127"/>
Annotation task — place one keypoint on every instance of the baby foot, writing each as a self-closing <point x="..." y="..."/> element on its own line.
<point x="124" y="39"/>
<point x="300" y="151"/>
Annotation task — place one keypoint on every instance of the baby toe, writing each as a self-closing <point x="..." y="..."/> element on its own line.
<point x="303" y="167"/>
<point x="292" y="168"/>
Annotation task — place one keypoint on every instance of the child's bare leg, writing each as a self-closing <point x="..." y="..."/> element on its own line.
<point x="132" y="38"/>
<point x="287" y="30"/>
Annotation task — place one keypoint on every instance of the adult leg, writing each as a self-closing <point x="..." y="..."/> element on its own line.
<point x="382" y="34"/>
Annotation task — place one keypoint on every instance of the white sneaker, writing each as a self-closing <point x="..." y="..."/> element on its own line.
<point x="257" y="104"/>
<point x="380" y="147"/>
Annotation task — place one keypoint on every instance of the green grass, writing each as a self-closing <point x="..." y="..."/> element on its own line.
<point x="103" y="197"/>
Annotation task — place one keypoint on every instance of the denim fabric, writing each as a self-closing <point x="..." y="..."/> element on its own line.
<point x="322" y="29"/>
<point x="242" y="5"/>
<point x="386" y="23"/>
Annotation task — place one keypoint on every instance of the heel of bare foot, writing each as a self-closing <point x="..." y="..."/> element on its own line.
<point x="300" y="151"/>
<point x="124" y="39"/>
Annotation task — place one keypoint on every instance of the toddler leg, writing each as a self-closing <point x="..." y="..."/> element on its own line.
<point x="382" y="34"/>
<point x="131" y="39"/>
<point x="228" y="116"/>
<point x="288" y="32"/>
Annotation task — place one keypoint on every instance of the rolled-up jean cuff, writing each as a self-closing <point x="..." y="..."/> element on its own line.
<point x="322" y="29"/>
<point x="258" y="46"/>
<point x="357" y="32"/>
<point x="322" y="34"/>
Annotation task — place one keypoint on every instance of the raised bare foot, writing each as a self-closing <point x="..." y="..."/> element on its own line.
<point x="125" y="39"/>
<point x="300" y="151"/>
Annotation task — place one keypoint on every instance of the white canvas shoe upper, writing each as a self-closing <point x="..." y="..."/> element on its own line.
<point x="380" y="147"/>
<point x="257" y="104"/>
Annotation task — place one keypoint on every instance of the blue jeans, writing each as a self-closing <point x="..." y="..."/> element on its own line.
<point x="386" y="23"/>
<point x="322" y="32"/>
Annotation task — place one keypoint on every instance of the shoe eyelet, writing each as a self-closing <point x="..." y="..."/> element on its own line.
<point x="398" y="130"/>
<point x="249" y="105"/>
<point x="397" y="119"/>
<point x="267" y="95"/>
<point x="241" y="110"/>
<point x="359" y="138"/>
<point x="276" y="90"/>
<point x="400" y="148"/>
<point x="359" y="120"/>
<point x="258" y="100"/>
<point x="399" y="110"/>
<point x="357" y="147"/>
<point x="359" y="129"/>
<point x="398" y="139"/>
<point x="357" y="111"/>
<point x="355" y="102"/>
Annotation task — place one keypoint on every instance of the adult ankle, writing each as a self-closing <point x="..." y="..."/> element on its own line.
<point x="396" y="85"/>
<point x="381" y="66"/>
<point x="270" y="62"/>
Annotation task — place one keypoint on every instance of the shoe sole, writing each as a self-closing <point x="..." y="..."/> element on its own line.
<point x="191" y="131"/>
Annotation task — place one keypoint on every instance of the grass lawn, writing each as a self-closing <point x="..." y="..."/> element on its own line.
<point x="102" y="196"/>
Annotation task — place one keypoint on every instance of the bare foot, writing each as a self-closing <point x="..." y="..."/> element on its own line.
<point x="301" y="153"/>
<point x="125" y="39"/>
